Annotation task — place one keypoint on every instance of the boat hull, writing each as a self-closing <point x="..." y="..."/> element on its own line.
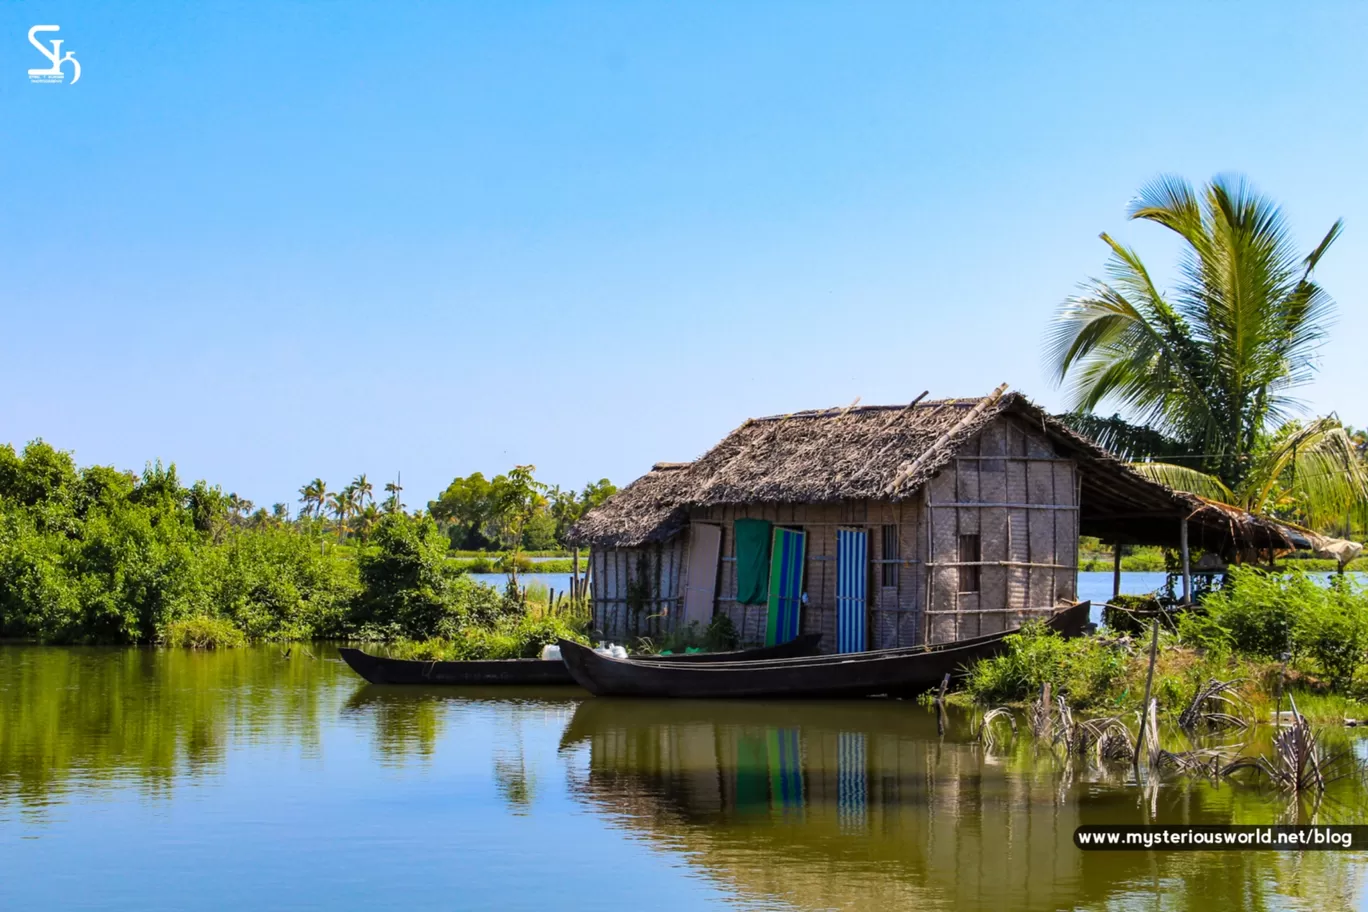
<point x="889" y="672"/>
<point x="537" y="672"/>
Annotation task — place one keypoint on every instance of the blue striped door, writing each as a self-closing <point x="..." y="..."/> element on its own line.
<point x="852" y="578"/>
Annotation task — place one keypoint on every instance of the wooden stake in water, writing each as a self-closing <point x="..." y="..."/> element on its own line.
<point x="940" y="705"/>
<point x="1149" y="683"/>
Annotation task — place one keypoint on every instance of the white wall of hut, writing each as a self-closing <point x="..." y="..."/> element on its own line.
<point x="1006" y="485"/>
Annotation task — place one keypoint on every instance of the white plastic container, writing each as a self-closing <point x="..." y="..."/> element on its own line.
<point x="551" y="653"/>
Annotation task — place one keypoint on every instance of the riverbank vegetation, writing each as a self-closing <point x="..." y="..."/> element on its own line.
<point x="97" y="556"/>
<point x="1266" y="632"/>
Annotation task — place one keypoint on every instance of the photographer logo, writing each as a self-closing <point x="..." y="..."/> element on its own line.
<point x="53" y="73"/>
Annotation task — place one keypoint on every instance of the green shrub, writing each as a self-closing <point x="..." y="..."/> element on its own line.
<point x="1120" y="613"/>
<point x="1268" y="614"/>
<point x="511" y="638"/>
<point x="1333" y="632"/>
<point x="1086" y="670"/>
<point x="202" y="632"/>
<point x="1256" y="610"/>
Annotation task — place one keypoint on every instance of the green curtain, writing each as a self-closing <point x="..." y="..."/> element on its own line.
<point x="752" y="561"/>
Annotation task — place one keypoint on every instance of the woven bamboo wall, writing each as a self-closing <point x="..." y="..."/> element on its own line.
<point x="617" y="616"/>
<point x="1007" y="486"/>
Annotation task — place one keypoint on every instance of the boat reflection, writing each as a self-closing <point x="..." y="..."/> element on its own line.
<point x="860" y="805"/>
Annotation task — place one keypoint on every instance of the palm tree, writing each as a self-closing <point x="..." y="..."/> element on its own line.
<point x="362" y="489"/>
<point x="314" y="496"/>
<point x="1208" y="369"/>
<point x="343" y="503"/>
<point x="366" y="519"/>
<point x="392" y="503"/>
<point x="239" y="507"/>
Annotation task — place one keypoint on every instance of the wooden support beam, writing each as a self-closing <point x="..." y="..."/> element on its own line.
<point x="1116" y="569"/>
<point x="1187" y="562"/>
<point x="1008" y="506"/>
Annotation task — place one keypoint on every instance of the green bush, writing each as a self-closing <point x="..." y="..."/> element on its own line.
<point x="511" y="638"/>
<point x="1268" y="614"/>
<point x="202" y="632"/>
<point x="1086" y="670"/>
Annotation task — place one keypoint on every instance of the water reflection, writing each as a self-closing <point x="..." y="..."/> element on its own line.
<point x="79" y="717"/>
<point x="861" y="805"/>
<point x="853" y="805"/>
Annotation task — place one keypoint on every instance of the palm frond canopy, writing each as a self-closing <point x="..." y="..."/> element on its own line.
<point x="1214" y="363"/>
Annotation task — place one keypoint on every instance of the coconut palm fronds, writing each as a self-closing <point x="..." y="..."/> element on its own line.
<point x="1209" y="704"/>
<point x="985" y="732"/>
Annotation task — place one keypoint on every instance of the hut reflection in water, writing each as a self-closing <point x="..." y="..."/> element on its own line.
<point x="862" y="806"/>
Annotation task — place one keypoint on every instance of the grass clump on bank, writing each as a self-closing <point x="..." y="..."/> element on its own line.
<point x="202" y="632"/>
<point x="1087" y="669"/>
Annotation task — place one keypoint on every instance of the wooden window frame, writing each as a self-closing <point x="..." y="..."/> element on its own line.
<point x="888" y="563"/>
<point x="970" y="559"/>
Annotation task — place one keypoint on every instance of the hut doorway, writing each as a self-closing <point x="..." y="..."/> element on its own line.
<point x="852" y="576"/>
<point x="700" y="590"/>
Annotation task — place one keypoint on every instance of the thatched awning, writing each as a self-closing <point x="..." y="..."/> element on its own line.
<point x="887" y="453"/>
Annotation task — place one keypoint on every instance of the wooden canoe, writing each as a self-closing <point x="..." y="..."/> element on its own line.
<point x="534" y="672"/>
<point x="892" y="672"/>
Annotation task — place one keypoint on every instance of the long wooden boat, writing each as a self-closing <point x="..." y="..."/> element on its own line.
<point x="892" y="672"/>
<point x="535" y="672"/>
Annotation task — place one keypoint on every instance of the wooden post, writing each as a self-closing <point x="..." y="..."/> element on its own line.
<point x="574" y="572"/>
<point x="940" y="705"/>
<point x="1149" y="683"/>
<point x="1187" y="562"/>
<point x="1116" y="569"/>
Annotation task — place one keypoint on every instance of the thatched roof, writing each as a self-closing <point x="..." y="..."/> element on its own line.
<point x="881" y="453"/>
<point x="642" y="512"/>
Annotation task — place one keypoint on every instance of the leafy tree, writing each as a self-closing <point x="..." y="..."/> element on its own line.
<point x="595" y="493"/>
<point x="208" y="509"/>
<point x="467" y="508"/>
<point x="406" y="580"/>
<point x="1210" y="368"/>
<point x="517" y="497"/>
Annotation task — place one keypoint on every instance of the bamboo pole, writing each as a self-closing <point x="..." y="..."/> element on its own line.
<point x="1149" y="684"/>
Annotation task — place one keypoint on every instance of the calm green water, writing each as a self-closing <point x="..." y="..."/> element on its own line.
<point x="140" y="779"/>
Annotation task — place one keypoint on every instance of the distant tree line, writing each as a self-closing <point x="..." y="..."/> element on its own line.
<point x="99" y="555"/>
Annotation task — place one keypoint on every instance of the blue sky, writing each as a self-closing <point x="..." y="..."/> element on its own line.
<point x="269" y="241"/>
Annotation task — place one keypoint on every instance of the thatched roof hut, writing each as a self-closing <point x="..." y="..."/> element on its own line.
<point x="990" y="482"/>
<point x="887" y="452"/>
